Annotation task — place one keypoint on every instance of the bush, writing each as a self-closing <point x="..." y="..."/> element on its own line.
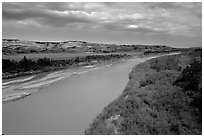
<point x="191" y="77"/>
<point x="165" y="63"/>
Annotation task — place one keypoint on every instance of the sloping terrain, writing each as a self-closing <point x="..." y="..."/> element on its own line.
<point x="163" y="96"/>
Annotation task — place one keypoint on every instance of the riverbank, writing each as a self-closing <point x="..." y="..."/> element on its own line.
<point x="27" y="67"/>
<point x="161" y="97"/>
<point x="16" y="96"/>
<point x="31" y="84"/>
<point x="14" y="77"/>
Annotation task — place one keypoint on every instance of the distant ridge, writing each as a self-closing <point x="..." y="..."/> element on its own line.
<point x="12" y="46"/>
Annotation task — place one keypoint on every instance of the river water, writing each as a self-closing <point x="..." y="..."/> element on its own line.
<point x="68" y="105"/>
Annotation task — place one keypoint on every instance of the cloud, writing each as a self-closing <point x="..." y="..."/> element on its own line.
<point x="132" y="26"/>
<point x="145" y="18"/>
<point x="46" y="16"/>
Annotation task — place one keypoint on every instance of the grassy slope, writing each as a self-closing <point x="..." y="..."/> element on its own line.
<point x="154" y="102"/>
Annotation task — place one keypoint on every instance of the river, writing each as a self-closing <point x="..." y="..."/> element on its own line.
<point x="68" y="105"/>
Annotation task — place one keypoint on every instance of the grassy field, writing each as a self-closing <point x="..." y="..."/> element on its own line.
<point x="18" y="57"/>
<point x="163" y="96"/>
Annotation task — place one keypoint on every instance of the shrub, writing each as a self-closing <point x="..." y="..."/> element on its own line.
<point x="191" y="77"/>
<point x="165" y="63"/>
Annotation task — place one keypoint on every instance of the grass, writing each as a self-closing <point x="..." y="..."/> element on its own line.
<point x="155" y="101"/>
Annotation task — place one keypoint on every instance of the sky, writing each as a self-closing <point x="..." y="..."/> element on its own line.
<point x="171" y="24"/>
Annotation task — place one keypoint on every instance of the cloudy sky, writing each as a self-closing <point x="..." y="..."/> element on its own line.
<point x="174" y="24"/>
